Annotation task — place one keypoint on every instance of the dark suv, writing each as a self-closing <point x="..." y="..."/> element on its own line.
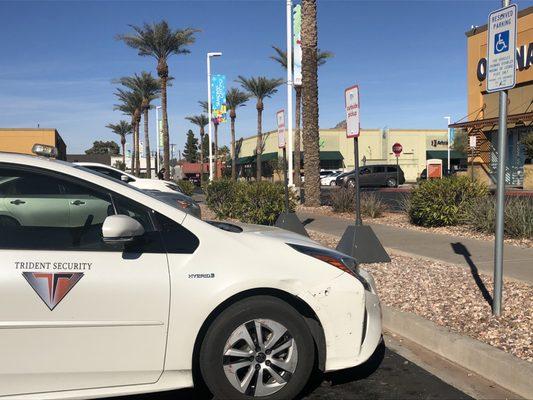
<point x="373" y="175"/>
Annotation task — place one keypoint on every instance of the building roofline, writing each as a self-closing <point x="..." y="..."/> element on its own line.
<point x="483" y="28"/>
<point x="28" y="129"/>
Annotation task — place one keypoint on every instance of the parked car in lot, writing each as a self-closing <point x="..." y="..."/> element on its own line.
<point x="330" y="179"/>
<point x="141" y="183"/>
<point x="107" y="291"/>
<point x="373" y="175"/>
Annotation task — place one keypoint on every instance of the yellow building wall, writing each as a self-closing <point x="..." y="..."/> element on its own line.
<point x="375" y="145"/>
<point x="18" y="140"/>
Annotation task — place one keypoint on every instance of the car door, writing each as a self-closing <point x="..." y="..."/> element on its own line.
<point x="77" y="313"/>
<point x="365" y="174"/>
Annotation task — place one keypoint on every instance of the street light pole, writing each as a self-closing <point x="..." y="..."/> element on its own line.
<point x="449" y="142"/>
<point x="157" y="138"/>
<point x="290" y="84"/>
<point x="209" y="130"/>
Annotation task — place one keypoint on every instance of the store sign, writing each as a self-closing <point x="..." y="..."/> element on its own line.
<point x="438" y="143"/>
<point x="472" y="140"/>
<point x="280" y="118"/>
<point x="524" y="60"/>
<point x="351" y="102"/>
<point x="501" y="54"/>
<point x="297" y="44"/>
<point x="218" y="98"/>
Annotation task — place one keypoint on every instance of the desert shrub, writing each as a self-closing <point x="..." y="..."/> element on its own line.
<point x="343" y="200"/>
<point x="444" y="202"/>
<point x="262" y="202"/>
<point x="187" y="187"/>
<point x="518" y="216"/>
<point x="256" y="202"/>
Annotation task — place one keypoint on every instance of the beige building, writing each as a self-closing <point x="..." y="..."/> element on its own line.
<point x="21" y="140"/>
<point x="375" y="147"/>
<point x="482" y="113"/>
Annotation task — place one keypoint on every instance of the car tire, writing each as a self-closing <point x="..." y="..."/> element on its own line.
<point x="391" y="182"/>
<point x="350" y="183"/>
<point x="332" y="183"/>
<point x="8" y="222"/>
<point x="225" y="346"/>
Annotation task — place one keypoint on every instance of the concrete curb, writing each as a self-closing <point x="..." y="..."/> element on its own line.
<point x="493" y="364"/>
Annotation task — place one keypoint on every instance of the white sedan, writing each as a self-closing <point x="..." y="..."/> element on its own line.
<point x="106" y="291"/>
<point x="141" y="183"/>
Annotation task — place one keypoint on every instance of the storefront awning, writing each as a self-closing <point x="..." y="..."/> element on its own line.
<point x="331" y="156"/>
<point x="443" y="154"/>
<point x="515" y="119"/>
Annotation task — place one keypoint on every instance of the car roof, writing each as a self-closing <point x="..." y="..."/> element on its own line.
<point x="93" y="164"/>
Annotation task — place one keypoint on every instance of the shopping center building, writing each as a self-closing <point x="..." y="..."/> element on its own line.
<point x="21" y="140"/>
<point x="481" y="120"/>
<point x="337" y="152"/>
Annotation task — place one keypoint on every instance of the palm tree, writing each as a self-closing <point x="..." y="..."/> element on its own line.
<point x="201" y="122"/>
<point x="205" y="108"/>
<point x="310" y="103"/>
<point x="150" y="89"/>
<point x="259" y="88"/>
<point x="123" y="128"/>
<point x="160" y="41"/>
<point x="131" y="104"/>
<point x="235" y="98"/>
<point x="281" y="58"/>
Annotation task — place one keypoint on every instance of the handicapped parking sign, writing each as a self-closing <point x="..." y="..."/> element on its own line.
<point x="501" y="42"/>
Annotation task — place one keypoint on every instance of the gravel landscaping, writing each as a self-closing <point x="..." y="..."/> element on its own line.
<point x="401" y="220"/>
<point x="449" y="296"/>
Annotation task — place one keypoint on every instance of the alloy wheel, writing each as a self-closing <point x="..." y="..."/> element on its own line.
<point x="259" y="357"/>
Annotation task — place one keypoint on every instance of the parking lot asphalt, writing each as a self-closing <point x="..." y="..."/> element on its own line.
<point x="387" y="375"/>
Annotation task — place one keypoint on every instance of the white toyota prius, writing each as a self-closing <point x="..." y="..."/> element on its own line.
<point x="106" y="291"/>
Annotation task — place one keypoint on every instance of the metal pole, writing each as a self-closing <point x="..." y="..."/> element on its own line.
<point x="397" y="170"/>
<point x="500" y="202"/>
<point x="472" y="164"/>
<point x="449" y="142"/>
<point x="209" y="117"/>
<point x="290" y="84"/>
<point x="285" y="180"/>
<point x="358" y="220"/>
<point x="157" y="137"/>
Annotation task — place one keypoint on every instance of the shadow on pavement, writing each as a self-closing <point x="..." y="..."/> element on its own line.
<point x="461" y="249"/>
<point x="307" y="221"/>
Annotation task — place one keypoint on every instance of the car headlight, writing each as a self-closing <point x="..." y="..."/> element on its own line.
<point x="343" y="262"/>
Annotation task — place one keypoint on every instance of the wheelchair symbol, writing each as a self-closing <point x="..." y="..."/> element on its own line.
<point x="501" y="42"/>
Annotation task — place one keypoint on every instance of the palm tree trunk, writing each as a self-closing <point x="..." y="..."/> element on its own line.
<point x="233" y="155"/>
<point x="138" y="149"/>
<point x="216" y="150"/>
<point x="132" y="155"/>
<point x="297" y="156"/>
<point x="310" y="103"/>
<point x="166" y="146"/>
<point x="123" y="143"/>
<point x="259" y="149"/>
<point x="201" y="159"/>
<point x="147" y="145"/>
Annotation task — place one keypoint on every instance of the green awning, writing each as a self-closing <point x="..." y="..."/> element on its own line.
<point x="331" y="156"/>
<point x="251" y="159"/>
<point x="443" y="154"/>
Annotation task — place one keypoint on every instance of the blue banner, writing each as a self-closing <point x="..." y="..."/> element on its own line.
<point x="218" y="98"/>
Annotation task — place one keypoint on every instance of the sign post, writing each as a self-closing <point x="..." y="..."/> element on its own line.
<point x="397" y="149"/>
<point x="501" y="76"/>
<point x="472" y="140"/>
<point x="358" y="236"/>
<point x="286" y="220"/>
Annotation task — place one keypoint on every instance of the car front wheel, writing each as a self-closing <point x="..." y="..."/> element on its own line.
<point x="259" y="347"/>
<point x="391" y="182"/>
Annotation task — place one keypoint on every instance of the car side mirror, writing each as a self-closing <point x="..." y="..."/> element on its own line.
<point x="121" y="229"/>
<point x="124" y="178"/>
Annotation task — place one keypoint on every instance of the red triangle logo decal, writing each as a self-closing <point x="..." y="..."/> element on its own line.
<point x="52" y="287"/>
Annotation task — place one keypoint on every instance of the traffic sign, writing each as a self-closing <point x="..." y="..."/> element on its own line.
<point x="501" y="49"/>
<point x="351" y="103"/>
<point x="397" y="149"/>
<point x="280" y="118"/>
<point x="472" y="141"/>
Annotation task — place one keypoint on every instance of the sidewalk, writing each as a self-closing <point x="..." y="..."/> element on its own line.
<point x="470" y="253"/>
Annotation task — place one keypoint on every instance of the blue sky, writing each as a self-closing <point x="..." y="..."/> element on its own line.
<point x="59" y="58"/>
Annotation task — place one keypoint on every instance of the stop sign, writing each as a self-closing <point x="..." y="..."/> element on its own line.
<point x="397" y="149"/>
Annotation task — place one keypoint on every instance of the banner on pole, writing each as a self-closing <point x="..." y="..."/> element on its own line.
<point x="160" y="132"/>
<point x="351" y="101"/>
<point x="297" y="44"/>
<point x="280" y="118"/>
<point x="218" y="98"/>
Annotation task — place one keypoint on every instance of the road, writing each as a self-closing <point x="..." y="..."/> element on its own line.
<point x="385" y="376"/>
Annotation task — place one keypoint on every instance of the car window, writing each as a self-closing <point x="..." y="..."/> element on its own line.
<point x="70" y="218"/>
<point x="379" y="168"/>
<point x="365" y="170"/>
<point x="106" y="171"/>
<point x="391" y="168"/>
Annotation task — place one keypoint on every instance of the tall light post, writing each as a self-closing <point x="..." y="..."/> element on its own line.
<point x="449" y="141"/>
<point x="157" y="138"/>
<point x="289" y="90"/>
<point x="209" y="55"/>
